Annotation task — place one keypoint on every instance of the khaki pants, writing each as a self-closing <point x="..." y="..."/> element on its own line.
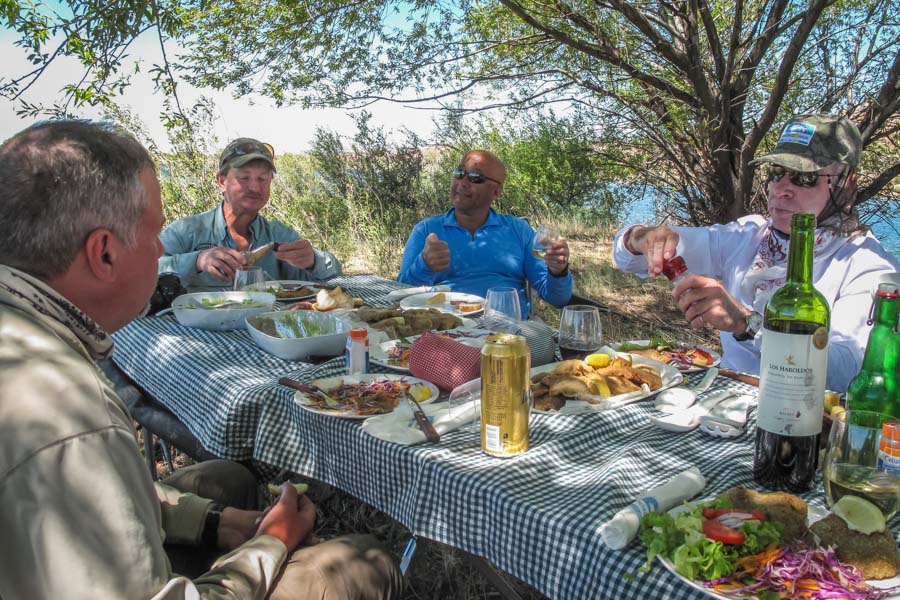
<point x="352" y="566"/>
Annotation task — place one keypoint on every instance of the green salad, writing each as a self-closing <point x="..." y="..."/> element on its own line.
<point x="657" y="342"/>
<point x="699" y="546"/>
<point x="213" y="303"/>
<point x="294" y="325"/>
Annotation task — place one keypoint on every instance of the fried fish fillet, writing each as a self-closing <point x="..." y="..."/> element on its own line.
<point x="875" y="555"/>
<point x="780" y="507"/>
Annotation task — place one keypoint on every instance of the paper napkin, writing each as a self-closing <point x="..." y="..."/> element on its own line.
<point x="422" y="289"/>
<point x="624" y="526"/>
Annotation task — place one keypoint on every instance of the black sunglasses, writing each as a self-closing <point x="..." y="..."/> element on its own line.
<point x="807" y="180"/>
<point x="474" y="176"/>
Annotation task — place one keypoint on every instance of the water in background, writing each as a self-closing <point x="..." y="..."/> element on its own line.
<point x="644" y="210"/>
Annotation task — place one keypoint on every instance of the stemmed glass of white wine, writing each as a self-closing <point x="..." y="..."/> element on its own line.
<point x="862" y="461"/>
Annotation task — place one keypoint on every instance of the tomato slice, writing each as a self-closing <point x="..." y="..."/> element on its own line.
<point x="722" y="533"/>
<point x="705" y="357"/>
<point x="712" y="513"/>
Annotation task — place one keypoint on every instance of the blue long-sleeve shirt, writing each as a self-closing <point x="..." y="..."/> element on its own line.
<point x="497" y="255"/>
<point x="185" y="238"/>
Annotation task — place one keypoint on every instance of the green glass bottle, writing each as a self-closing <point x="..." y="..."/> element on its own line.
<point x="792" y="370"/>
<point x="877" y="385"/>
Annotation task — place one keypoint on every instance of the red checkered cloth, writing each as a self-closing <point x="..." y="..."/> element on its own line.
<point x="444" y="362"/>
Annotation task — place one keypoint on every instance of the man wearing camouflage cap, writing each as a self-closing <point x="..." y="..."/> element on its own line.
<point x="206" y="249"/>
<point x="736" y="267"/>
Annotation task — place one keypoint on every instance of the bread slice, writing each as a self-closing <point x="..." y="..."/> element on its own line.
<point x="438" y="298"/>
<point x="465" y="307"/>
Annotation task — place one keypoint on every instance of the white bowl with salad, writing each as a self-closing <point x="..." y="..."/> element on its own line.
<point x="299" y="334"/>
<point x="220" y="310"/>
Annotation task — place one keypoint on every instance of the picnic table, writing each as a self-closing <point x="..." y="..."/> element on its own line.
<point x="537" y="516"/>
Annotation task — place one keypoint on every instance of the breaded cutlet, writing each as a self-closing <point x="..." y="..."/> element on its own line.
<point x="779" y="507"/>
<point x="875" y="554"/>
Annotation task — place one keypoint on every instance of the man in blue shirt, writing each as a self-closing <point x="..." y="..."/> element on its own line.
<point x="205" y="249"/>
<point x="472" y="248"/>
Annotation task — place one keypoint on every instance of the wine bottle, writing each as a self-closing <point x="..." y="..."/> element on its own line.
<point x="792" y="367"/>
<point x="877" y="385"/>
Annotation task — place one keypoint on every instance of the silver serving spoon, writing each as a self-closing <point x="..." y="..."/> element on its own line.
<point x="680" y="398"/>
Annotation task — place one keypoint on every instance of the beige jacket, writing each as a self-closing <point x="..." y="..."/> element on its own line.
<point x="79" y="515"/>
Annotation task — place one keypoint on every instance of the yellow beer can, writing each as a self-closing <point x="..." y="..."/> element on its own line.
<point x="505" y="394"/>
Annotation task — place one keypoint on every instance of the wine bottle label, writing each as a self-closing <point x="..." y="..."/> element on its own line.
<point x="792" y="383"/>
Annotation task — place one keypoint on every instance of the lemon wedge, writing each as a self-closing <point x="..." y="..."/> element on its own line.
<point x="275" y="490"/>
<point x="600" y="387"/>
<point x="598" y="361"/>
<point x="859" y="514"/>
<point x="420" y="392"/>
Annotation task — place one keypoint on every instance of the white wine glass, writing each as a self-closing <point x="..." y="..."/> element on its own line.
<point x="249" y="279"/>
<point x="502" y="308"/>
<point x="859" y="460"/>
<point x="580" y="331"/>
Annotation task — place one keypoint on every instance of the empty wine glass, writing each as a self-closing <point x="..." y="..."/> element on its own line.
<point x="580" y="332"/>
<point x="543" y="237"/>
<point x="464" y="404"/>
<point x="502" y="307"/>
<point x="249" y="279"/>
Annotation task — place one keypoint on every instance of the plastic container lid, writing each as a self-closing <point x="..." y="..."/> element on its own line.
<point x="890" y="430"/>
<point x="359" y="333"/>
<point x="674" y="267"/>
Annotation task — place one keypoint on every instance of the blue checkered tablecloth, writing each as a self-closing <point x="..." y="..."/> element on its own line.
<point x="536" y="516"/>
<point x="215" y="382"/>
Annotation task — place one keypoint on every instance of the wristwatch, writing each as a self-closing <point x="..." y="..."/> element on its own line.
<point x="754" y="323"/>
<point x="210" y="535"/>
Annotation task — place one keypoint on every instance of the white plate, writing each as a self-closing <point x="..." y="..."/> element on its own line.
<point x="295" y="283"/>
<point x="669" y="374"/>
<point x="464" y="335"/>
<point x="717" y="358"/>
<point x="302" y="398"/>
<point x="813" y="515"/>
<point x="421" y="301"/>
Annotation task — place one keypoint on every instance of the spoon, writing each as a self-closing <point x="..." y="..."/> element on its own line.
<point x="679" y="398"/>
<point x="688" y="420"/>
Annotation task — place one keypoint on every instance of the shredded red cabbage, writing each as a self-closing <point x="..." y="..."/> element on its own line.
<point x="801" y="572"/>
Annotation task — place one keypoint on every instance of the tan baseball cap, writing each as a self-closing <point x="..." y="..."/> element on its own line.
<point x="812" y="142"/>
<point x="244" y="150"/>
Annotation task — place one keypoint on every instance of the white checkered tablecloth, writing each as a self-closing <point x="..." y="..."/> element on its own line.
<point x="536" y="516"/>
<point x="215" y="382"/>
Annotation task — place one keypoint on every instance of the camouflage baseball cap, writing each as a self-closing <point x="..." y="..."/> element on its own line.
<point x="244" y="150"/>
<point x="812" y="142"/>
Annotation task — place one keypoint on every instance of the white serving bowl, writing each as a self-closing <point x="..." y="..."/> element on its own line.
<point x="190" y="312"/>
<point x="298" y="334"/>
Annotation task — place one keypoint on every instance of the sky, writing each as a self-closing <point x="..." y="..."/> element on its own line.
<point x="288" y="129"/>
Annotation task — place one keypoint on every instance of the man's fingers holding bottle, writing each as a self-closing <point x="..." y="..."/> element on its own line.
<point x="656" y="243"/>
<point x="220" y="262"/>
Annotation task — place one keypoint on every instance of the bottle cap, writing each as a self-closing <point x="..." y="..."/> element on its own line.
<point x="888" y="290"/>
<point x="890" y="430"/>
<point x="359" y="333"/>
<point x="674" y="267"/>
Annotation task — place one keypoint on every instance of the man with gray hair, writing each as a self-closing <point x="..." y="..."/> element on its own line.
<point x="81" y="518"/>
<point x="205" y="250"/>
<point x="736" y="267"/>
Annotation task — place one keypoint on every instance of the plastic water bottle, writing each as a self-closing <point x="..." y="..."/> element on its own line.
<point x="358" y="351"/>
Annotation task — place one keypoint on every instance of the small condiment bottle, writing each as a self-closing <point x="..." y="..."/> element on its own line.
<point x="358" y="351"/>
<point x="889" y="447"/>
<point x="674" y="269"/>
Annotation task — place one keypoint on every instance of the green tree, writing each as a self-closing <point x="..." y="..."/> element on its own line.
<point x="682" y="94"/>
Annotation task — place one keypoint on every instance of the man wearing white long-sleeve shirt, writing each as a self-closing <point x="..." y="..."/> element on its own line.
<point x="736" y="267"/>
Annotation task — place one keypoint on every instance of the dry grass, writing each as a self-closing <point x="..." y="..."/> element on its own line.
<point x="634" y="309"/>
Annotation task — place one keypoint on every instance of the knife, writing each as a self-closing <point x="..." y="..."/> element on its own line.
<point x="425" y="425"/>
<point x="742" y="377"/>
